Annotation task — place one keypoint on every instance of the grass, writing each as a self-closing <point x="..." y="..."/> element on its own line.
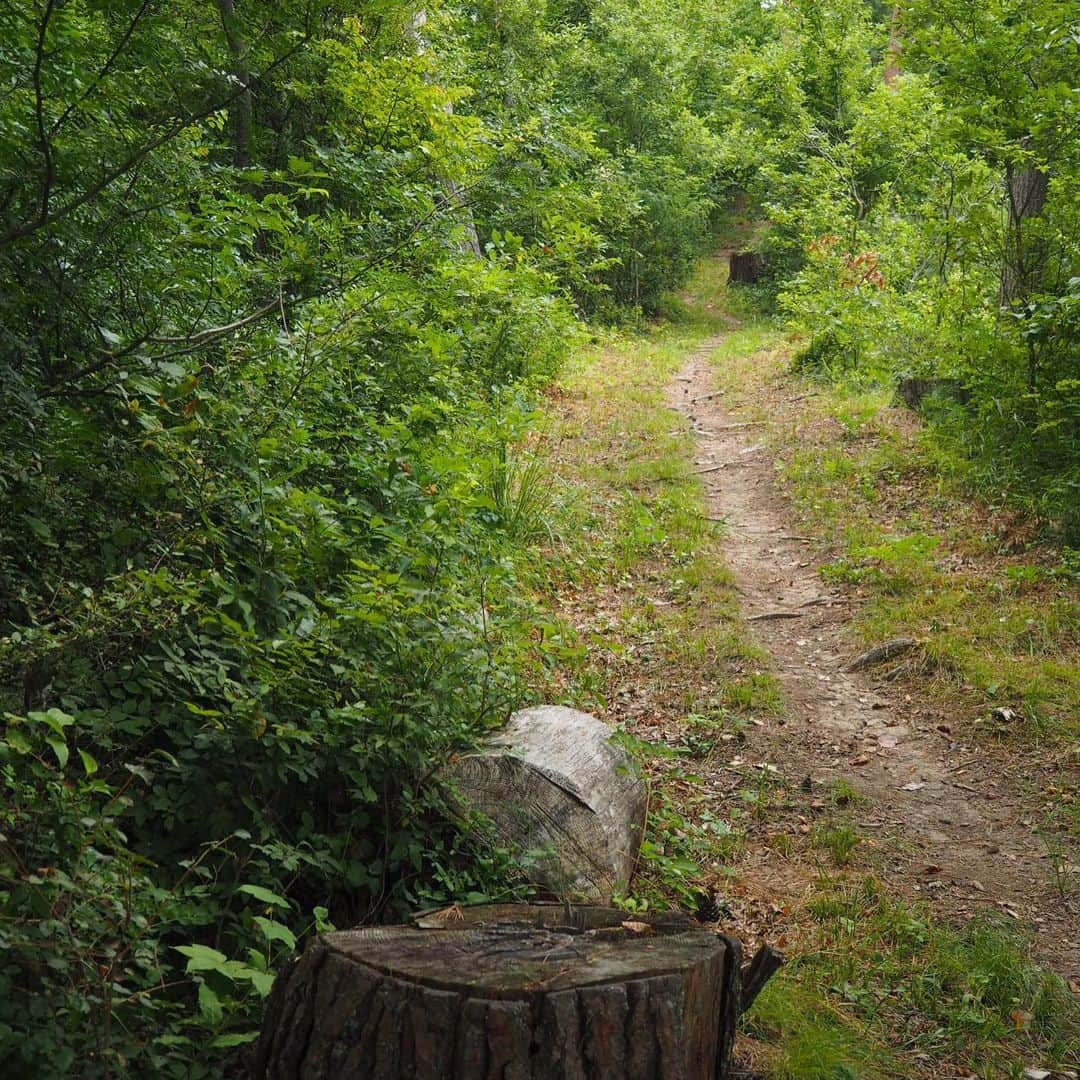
<point x="931" y="1000"/>
<point x="839" y="842"/>
<point x="653" y="638"/>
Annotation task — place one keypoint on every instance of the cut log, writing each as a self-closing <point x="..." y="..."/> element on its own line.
<point x="516" y="992"/>
<point x="554" y="785"/>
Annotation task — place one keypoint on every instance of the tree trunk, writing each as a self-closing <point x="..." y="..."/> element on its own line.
<point x="895" y="47"/>
<point x="240" y="112"/>
<point x="745" y="267"/>
<point x="1025" y="256"/>
<point x="1027" y="187"/>
<point x="514" y="992"/>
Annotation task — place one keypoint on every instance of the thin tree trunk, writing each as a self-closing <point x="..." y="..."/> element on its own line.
<point x="1024" y="256"/>
<point x="240" y="113"/>
<point x="455" y="194"/>
<point x="895" y="48"/>
<point x="1026" y="186"/>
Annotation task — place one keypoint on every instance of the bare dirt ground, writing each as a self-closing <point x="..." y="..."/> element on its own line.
<point x="948" y="821"/>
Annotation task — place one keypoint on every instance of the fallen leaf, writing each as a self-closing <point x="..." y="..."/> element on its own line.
<point x="862" y="759"/>
<point x="1022" y="1021"/>
<point x="915" y="785"/>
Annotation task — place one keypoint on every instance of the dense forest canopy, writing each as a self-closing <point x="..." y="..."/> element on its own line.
<point x="280" y="283"/>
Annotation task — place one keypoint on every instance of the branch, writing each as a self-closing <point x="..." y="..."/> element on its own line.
<point x="104" y="72"/>
<point x="45" y="217"/>
<point x="39" y="111"/>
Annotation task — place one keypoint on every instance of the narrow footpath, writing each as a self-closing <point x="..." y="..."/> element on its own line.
<point x="959" y="843"/>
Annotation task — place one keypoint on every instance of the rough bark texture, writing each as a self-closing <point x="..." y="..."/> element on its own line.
<point x="552" y="782"/>
<point x="745" y="267"/>
<point x="1027" y="188"/>
<point x="516" y="992"/>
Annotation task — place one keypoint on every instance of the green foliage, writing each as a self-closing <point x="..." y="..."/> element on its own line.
<point x="279" y="286"/>
<point x="926" y="225"/>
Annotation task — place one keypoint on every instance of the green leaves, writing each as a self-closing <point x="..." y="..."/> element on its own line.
<point x="51" y="727"/>
<point x="202" y="958"/>
<point x="265" y="895"/>
<point x="275" y="931"/>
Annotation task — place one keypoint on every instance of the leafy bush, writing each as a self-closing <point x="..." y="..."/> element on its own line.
<point x="280" y="286"/>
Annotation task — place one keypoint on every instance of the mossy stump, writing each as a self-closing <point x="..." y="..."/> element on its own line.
<point x="516" y="992"/>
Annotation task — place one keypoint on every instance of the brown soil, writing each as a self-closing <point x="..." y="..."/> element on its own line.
<point x="952" y="826"/>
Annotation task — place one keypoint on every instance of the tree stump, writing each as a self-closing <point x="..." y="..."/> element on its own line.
<point x="515" y="992"/>
<point x="553" y="784"/>
<point x="745" y="267"/>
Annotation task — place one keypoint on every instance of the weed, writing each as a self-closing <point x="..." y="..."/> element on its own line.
<point x="521" y="489"/>
<point x="1063" y="873"/>
<point x="844" y="793"/>
<point x="839" y="842"/>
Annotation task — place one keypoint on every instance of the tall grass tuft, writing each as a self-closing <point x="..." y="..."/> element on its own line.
<point x="522" y="489"/>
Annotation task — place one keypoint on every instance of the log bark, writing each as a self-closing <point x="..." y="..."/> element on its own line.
<point x="885" y="651"/>
<point x="553" y="784"/>
<point x="516" y="992"/>
<point x="766" y="963"/>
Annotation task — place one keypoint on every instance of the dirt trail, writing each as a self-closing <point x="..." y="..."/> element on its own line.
<point x="962" y="843"/>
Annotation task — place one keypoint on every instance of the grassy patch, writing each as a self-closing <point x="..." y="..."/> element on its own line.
<point x="967" y="1003"/>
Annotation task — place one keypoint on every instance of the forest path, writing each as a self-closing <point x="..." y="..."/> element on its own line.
<point x="962" y="844"/>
